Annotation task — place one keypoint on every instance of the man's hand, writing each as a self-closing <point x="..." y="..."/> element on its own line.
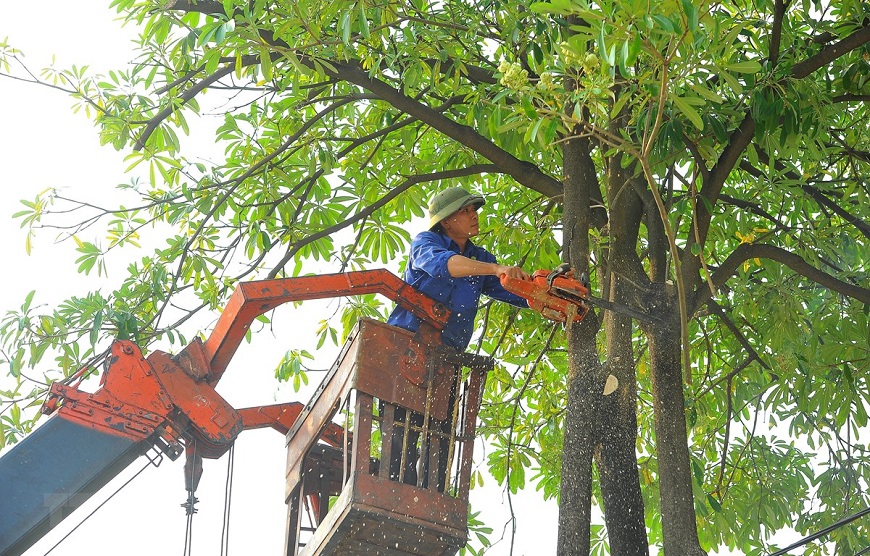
<point x="514" y="272"/>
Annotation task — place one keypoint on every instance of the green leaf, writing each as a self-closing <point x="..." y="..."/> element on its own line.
<point x="717" y="507"/>
<point x="266" y="62"/>
<point x="344" y="27"/>
<point x="364" y="22"/>
<point x="95" y="328"/>
<point x="602" y="44"/>
<point x="684" y="106"/>
<point x="89" y="259"/>
<point x="532" y="132"/>
<point x="707" y="93"/>
<point x="746" y="66"/>
<point x="691" y="12"/>
<point x="634" y="47"/>
<point x="561" y="7"/>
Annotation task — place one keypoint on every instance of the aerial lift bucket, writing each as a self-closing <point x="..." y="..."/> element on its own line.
<point x="401" y="402"/>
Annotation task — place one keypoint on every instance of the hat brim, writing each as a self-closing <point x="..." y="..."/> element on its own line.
<point x="455" y="206"/>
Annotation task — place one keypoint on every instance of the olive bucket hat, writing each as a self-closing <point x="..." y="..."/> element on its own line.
<point x="449" y="201"/>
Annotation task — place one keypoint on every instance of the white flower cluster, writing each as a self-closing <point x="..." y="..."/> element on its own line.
<point x="588" y="63"/>
<point x="513" y="76"/>
<point x="546" y="82"/>
<point x="591" y="62"/>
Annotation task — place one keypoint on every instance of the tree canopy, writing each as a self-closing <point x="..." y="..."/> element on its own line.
<point x="703" y="162"/>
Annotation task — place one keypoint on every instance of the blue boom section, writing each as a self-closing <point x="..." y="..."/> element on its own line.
<point x="51" y="472"/>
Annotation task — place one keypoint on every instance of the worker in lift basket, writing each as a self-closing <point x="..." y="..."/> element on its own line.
<point x="445" y="265"/>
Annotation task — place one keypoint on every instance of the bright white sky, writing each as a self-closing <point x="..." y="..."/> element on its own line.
<point x="43" y="144"/>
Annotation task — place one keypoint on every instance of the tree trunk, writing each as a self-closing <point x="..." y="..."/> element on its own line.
<point x="679" y="528"/>
<point x="616" y="454"/>
<point x="584" y="385"/>
<point x="584" y="367"/>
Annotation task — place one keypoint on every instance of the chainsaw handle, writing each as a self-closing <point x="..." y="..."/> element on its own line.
<point x="557" y="301"/>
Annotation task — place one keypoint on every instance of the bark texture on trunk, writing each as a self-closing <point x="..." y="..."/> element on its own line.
<point x="616" y="454"/>
<point x="679" y="527"/>
<point x="584" y="379"/>
<point x="584" y="366"/>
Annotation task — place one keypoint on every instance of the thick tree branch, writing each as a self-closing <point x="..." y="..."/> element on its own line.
<point x="754" y="209"/>
<point x="776" y="30"/>
<point x="748" y="251"/>
<point x="850" y="97"/>
<point x="208" y="7"/>
<point x="830" y="53"/>
<point x="475" y="74"/>
<point x="737" y="143"/>
<point x="743" y="135"/>
<point x="656" y="237"/>
<point x="523" y="172"/>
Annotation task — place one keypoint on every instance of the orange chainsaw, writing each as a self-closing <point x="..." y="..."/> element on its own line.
<point x="560" y="297"/>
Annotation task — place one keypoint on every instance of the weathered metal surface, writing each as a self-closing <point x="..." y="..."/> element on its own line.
<point x="312" y="421"/>
<point x="53" y="471"/>
<point x="164" y="401"/>
<point x="389" y="503"/>
<point x="418" y="522"/>
<point x="393" y="366"/>
<point x="367" y="363"/>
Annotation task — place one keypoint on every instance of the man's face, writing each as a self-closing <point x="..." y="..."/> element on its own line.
<point x="462" y="223"/>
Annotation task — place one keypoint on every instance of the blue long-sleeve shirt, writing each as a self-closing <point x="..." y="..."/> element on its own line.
<point x="427" y="272"/>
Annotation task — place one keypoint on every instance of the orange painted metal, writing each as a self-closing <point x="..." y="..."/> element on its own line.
<point x="281" y="417"/>
<point x="557" y="299"/>
<point x="372" y="361"/>
<point x="252" y="299"/>
<point x="101" y="411"/>
<point x="171" y="401"/>
<point x="139" y="397"/>
<point x="371" y="510"/>
<point x="175" y="395"/>
<point x="211" y="420"/>
<point x="130" y="402"/>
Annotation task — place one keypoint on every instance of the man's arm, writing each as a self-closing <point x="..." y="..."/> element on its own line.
<point x="460" y="267"/>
